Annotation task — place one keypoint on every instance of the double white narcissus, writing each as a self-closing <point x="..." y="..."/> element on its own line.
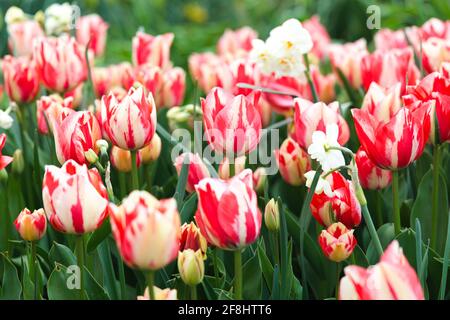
<point x="75" y="199"/>
<point x="228" y="215"/>
<point x="131" y="122"/>
<point x="146" y="230"/>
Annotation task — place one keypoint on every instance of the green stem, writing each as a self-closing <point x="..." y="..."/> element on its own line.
<point x="193" y="292"/>
<point x="122" y="184"/>
<point x="216" y="269"/>
<point x="396" y="203"/>
<point x="308" y="77"/>
<point x="379" y="208"/>
<point x="443" y="286"/>
<point x="33" y="269"/>
<point x="79" y="248"/>
<point x="372" y="231"/>
<point x="338" y="275"/>
<point x="150" y="284"/>
<point x="134" y="171"/>
<point x="276" y="247"/>
<point x="435" y="196"/>
<point x="123" y="294"/>
<point x="232" y="168"/>
<point x="238" y="274"/>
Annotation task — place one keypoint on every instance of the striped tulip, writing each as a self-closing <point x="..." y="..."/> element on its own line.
<point x="337" y="242"/>
<point x="435" y="28"/>
<point x="160" y="294"/>
<point x="21" y="79"/>
<point x="209" y="71"/>
<point x="392" y="278"/>
<point x="370" y="176"/>
<point x="52" y="108"/>
<point x="61" y="63"/>
<point x="235" y="43"/>
<point x="228" y="214"/>
<point x="154" y="50"/>
<point x="31" y="225"/>
<point x="310" y="117"/>
<point x="396" y="142"/>
<point x="341" y="206"/>
<point x="232" y="123"/>
<point x="21" y="36"/>
<point x="382" y="102"/>
<point x="75" y="135"/>
<point x="92" y="30"/>
<point x="130" y="123"/>
<point x="151" y="77"/>
<point x="146" y="230"/>
<point x="319" y="35"/>
<point x="192" y="238"/>
<point x="75" y="199"/>
<point x="173" y="87"/>
<point x="293" y="162"/>
<point x="435" y="52"/>
<point x="4" y="160"/>
<point x="197" y="169"/>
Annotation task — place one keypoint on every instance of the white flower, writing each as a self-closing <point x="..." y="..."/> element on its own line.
<point x="260" y="54"/>
<point x="320" y="148"/>
<point x="6" y="121"/>
<point x="14" y="14"/>
<point x="322" y="184"/>
<point x="60" y="18"/>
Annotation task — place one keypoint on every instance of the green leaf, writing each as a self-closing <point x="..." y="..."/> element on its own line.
<point x="252" y="277"/>
<point x="57" y="285"/>
<point x="181" y="185"/>
<point x="386" y="234"/>
<point x="266" y="266"/>
<point x="189" y="207"/>
<point x="93" y="289"/>
<point x="62" y="255"/>
<point x="98" y="236"/>
<point x="11" y="287"/>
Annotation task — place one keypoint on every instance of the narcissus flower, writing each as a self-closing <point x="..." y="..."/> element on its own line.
<point x="292" y="162"/>
<point x="4" y="160"/>
<point x="31" y="225"/>
<point x="342" y="206"/>
<point x="370" y="176"/>
<point x="75" y="199"/>
<point x="392" y="278"/>
<point x="228" y="214"/>
<point x="59" y="18"/>
<point x="21" y="78"/>
<point x="92" y="29"/>
<point x="146" y="230"/>
<point x="321" y="148"/>
<point x="337" y="242"/>
<point x="130" y="123"/>
<point x="323" y="185"/>
<point x="154" y="50"/>
<point x="197" y="169"/>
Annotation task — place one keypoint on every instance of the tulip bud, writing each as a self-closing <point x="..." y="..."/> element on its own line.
<point x="102" y="144"/>
<point x="191" y="266"/>
<point x="272" y="216"/>
<point x="224" y="167"/>
<point x="18" y="163"/>
<point x="184" y="117"/>
<point x="91" y="156"/>
<point x="191" y="238"/>
<point x="259" y="179"/>
<point x="337" y="242"/>
<point x="121" y="159"/>
<point x="31" y="226"/>
<point x="293" y="162"/>
<point x="3" y="176"/>
<point x="152" y="151"/>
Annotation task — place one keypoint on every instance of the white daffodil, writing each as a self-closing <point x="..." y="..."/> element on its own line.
<point x="60" y="18"/>
<point x="321" y="148"/>
<point x="322" y="184"/>
<point x="6" y="121"/>
<point x="261" y="55"/>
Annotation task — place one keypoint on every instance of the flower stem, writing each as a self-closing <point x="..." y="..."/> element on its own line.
<point x="372" y="231"/>
<point x="238" y="274"/>
<point x="276" y="247"/>
<point x="79" y="248"/>
<point x="338" y="275"/>
<point x="379" y="208"/>
<point x="134" y="171"/>
<point x="150" y="284"/>
<point x="435" y="196"/>
<point x="193" y="292"/>
<point x="395" y="203"/>
<point x="232" y="168"/>
<point x="123" y="294"/>
<point x="32" y="266"/>
<point x="308" y="77"/>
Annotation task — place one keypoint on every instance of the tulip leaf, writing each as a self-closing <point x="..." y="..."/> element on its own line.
<point x="360" y="257"/>
<point x="11" y="287"/>
<point x="105" y="256"/>
<point x="61" y="284"/>
<point x="61" y="254"/>
<point x="181" y="185"/>
<point x="386" y="234"/>
<point x="276" y="284"/>
<point x="252" y="274"/>
<point x="99" y="235"/>
<point x="266" y="266"/>
<point x="94" y="290"/>
<point x="189" y="207"/>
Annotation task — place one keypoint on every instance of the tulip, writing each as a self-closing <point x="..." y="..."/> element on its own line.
<point x="310" y="117"/>
<point x="396" y="142"/>
<point x="386" y="39"/>
<point x="191" y="266"/>
<point x="130" y="123"/>
<point x="392" y="278"/>
<point x="319" y="35"/>
<point x="160" y="294"/>
<point x="382" y="103"/>
<point x="337" y="242"/>
<point x="4" y="160"/>
<point x="152" y="151"/>
<point x="293" y="162"/>
<point x="104" y="80"/>
<point x="235" y="43"/>
<point x="435" y="28"/>
<point x="121" y="159"/>
<point x="146" y="230"/>
<point x="154" y="50"/>
<point x="434" y="53"/>
<point x="20" y="78"/>
<point x="151" y="77"/>
<point x="232" y="123"/>
<point x="91" y="29"/>
<point x="31" y="225"/>
<point x="259" y="179"/>
<point x="173" y="87"/>
<point x="76" y="94"/>
<point x="75" y="199"/>
<point x="339" y="206"/>
<point x="61" y="63"/>
<point x="191" y="238"/>
<point x="21" y="35"/>
<point x="272" y="216"/>
<point x="228" y="214"/>
<point x="75" y="135"/>
<point x="224" y="167"/>
<point x="209" y="71"/>
<point x="196" y="171"/>
<point x="445" y="70"/>
<point x="370" y="176"/>
<point x="52" y="108"/>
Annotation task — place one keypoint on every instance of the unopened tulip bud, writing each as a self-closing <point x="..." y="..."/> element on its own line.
<point x="152" y="151"/>
<point x="39" y="17"/>
<point x="224" y="167"/>
<point x="272" y="216"/>
<point x="91" y="156"/>
<point x="191" y="266"/>
<point x="184" y="117"/>
<point x="18" y="163"/>
<point x="337" y="242"/>
<point x="259" y="179"/>
<point x="31" y="225"/>
<point x="3" y="176"/>
<point x="14" y="15"/>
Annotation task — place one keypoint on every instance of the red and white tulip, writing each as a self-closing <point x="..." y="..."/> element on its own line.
<point x="31" y="225"/>
<point x="154" y="50"/>
<point x="370" y="176"/>
<point x="4" y="160"/>
<point x="21" y="36"/>
<point x="92" y="30"/>
<point x="20" y="78"/>
<point x="293" y="162"/>
<point x="52" y="108"/>
<point x="196" y="172"/>
<point x="337" y="242"/>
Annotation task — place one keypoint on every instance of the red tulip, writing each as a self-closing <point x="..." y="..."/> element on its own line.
<point x="52" y="108"/>
<point x="21" y="36"/>
<point x="173" y="87"/>
<point x="382" y="103"/>
<point x="20" y="78"/>
<point x="209" y="71"/>
<point x="235" y="43"/>
<point x="293" y="162"/>
<point x="310" y="117"/>
<point x="228" y="214"/>
<point x="197" y="169"/>
<point x="319" y="35"/>
<point x="386" y="39"/>
<point x="154" y="50"/>
<point x="75" y="199"/>
<point x="106" y="79"/>
<point x="146" y="230"/>
<point x="31" y="225"/>
<point x="232" y="123"/>
<point x="191" y="238"/>
<point x="435" y="28"/>
<point x="130" y="123"/>
<point x="75" y="135"/>
<point x="61" y="63"/>
<point x="392" y="278"/>
<point x="435" y="52"/>
<point x="396" y="142"/>
<point x="92" y="30"/>
<point x="370" y="176"/>
<point x="337" y="242"/>
<point x="150" y="77"/>
<point x="342" y="206"/>
<point x="4" y="160"/>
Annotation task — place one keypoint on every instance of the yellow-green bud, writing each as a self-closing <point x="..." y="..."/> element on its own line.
<point x="18" y="163"/>
<point x="91" y="156"/>
<point x="191" y="266"/>
<point x="272" y="216"/>
<point x="3" y="176"/>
